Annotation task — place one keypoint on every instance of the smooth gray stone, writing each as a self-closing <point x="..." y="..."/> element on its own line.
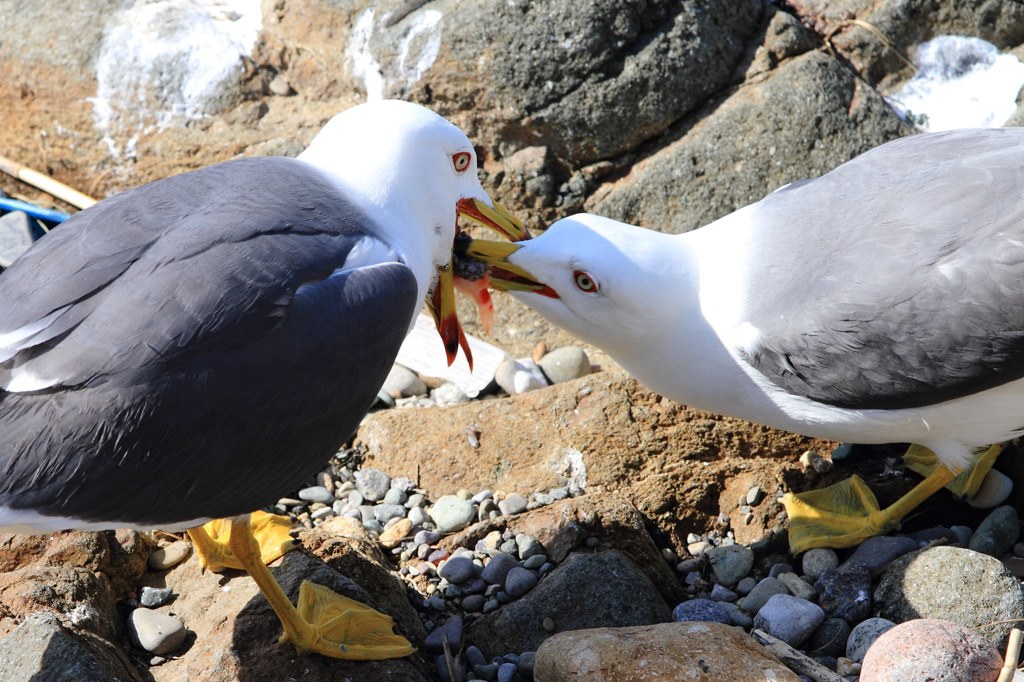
<point x="730" y="563"/>
<point x="156" y="632"/>
<point x="457" y="570"/>
<point x="497" y="569"/>
<point x="702" y="610"/>
<point x="152" y="597"/>
<point x="373" y="484"/>
<point x="513" y="504"/>
<point x="789" y="618"/>
<point x="864" y="635"/>
<point x="997" y="533"/>
<point x="451" y="513"/>
<point x="519" y="581"/>
<point x="565" y="364"/>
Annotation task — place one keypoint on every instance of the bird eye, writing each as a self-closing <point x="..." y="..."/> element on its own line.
<point x="584" y="282"/>
<point x="461" y="161"/>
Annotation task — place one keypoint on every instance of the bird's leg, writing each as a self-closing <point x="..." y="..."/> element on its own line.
<point x="966" y="485"/>
<point x="847" y="513"/>
<point x="271" y="531"/>
<point x="325" y="623"/>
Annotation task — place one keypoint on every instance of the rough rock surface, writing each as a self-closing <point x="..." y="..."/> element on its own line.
<point x="930" y="649"/>
<point x="701" y="652"/>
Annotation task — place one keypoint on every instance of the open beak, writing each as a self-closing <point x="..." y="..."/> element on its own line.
<point x="442" y="306"/>
<point x="494" y="217"/>
<point x="504" y="276"/>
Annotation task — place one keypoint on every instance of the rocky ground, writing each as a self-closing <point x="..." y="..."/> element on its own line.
<point x="588" y="530"/>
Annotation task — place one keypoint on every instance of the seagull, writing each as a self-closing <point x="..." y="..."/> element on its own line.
<point x="190" y="350"/>
<point x="880" y="303"/>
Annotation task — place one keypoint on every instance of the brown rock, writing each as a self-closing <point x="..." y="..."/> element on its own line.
<point x="927" y="649"/>
<point x="83" y="600"/>
<point x="393" y="536"/>
<point x="696" y="652"/>
<point x="237" y="632"/>
<point x="601" y="432"/>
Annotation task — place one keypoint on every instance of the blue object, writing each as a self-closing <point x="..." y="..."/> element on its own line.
<point x="46" y="214"/>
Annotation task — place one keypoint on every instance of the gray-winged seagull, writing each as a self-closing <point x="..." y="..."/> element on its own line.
<point x="197" y="347"/>
<point x="880" y="303"/>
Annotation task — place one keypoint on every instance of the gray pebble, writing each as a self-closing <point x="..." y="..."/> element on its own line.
<point x="497" y="569"/>
<point x="474" y="656"/>
<point x="878" y="551"/>
<point x="152" y="597"/>
<point x="373" y="484"/>
<point x="508" y="547"/>
<point x="737" y="616"/>
<point x="818" y="560"/>
<point x="452" y="513"/>
<point x="762" y="592"/>
<point x="451" y="631"/>
<point x="558" y="493"/>
<point x="488" y="671"/>
<point x="754" y="496"/>
<point x="162" y="558"/>
<point x="386" y="512"/>
<point x="395" y="496"/>
<point x="519" y="581"/>
<point x="374" y="526"/>
<point x="997" y="533"/>
<point x="700" y="610"/>
<point x="416" y="500"/>
<point x="789" y="618"/>
<point x="526" y="663"/>
<point x="744" y="586"/>
<point x="535" y="562"/>
<point x="963" y="534"/>
<point x="436" y="602"/>
<point x="528" y="546"/>
<point x="457" y="570"/>
<point x="688" y="566"/>
<point x="474" y="603"/>
<point x="565" y="364"/>
<point x="322" y="513"/>
<point x="797" y="586"/>
<point x="317" y="493"/>
<point x="404" y="382"/>
<point x="507" y="672"/>
<point x="548" y="624"/>
<point x="491" y="605"/>
<point x="829" y="639"/>
<point x="778" y="569"/>
<point x="403" y="483"/>
<point x="519" y="376"/>
<point x="482" y="495"/>
<point x="355" y="498"/>
<point x="156" y="632"/>
<point x="864" y="635"/>
<point x="719" y="593"/>
<point x="426" y="537"/>
<point x="449" y="394"/>
<point x="418" y="516"/>
<point x="513" y="504"/>
<point x="730" y="563"/>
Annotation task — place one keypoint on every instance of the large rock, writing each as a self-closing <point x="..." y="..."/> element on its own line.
<point x="586" y="590"/>
<point x="598" y="433"/>
<point x="81" y="599"/>
<point x="697" y="652"/>
<point x="948" y="583"/>
<point x="807" y="117"/>
<point x="42" y="649"/>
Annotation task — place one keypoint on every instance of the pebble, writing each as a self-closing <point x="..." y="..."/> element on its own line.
<point x="404" y="383"/>
<point x="528" y="546"/>
<point x="395" y="496"/>
<point x="548" y="624"/>
<point x="156" y="632"/>
<point x="519" y="376"/>
<point x="876" y="552"/>
<point x="427" y="537"/>
<point x="754" y="496"/>
<point x="474" y="656"/>
<point x="997" y="533"/>
<point x="162" y="558"/>
<point x="565" y="364"/>
<point x="418" y="516"/>
<point x="829" y="639"/>
<point x="744" y="586"/>
<point x="487" y="671"/>
<point x="845" y="592"/>
<point x="393" y="535"/>
<point x="526" y="663"/>
<point x="701" y="610"/>
<point x="738" y="616"/>
<point x="688" y="566"/>
<point x="507" y="672"/>
<point x="513" y="504"/>
<point x="535" y="562"/>
<point x="730" y="563"/>
<point x="927" y="649"/>
<point x="797" y="586"/>
<point x="762" y="592"/>
<point x="457" y="570"/>
<point x="474" y="603"/>
<point x="449" y="394"/>
<point x="994" y="489"/>
<point x="963" y="534"/>
<point x="864" y="635"/>
<point x="384" y="512"/>
<point x="778" y="569"/>
<point x="373" y="484"/>
<point x="451" y="631"/>
<point x="789" y="618"/>
<point x="519" y="581"/>
<point x="720" y="593"/>
<point x="452" y="513"/>
<point x="436" y="602"/>
<point x="152" y="597"/>
<point x="498" y="568"/>
<point x="317" y="493"/>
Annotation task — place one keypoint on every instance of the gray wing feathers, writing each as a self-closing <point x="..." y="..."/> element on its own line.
<point x="897" y="280"/>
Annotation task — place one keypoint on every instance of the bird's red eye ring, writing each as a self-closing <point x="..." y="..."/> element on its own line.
<point x="584" y="281"/>
<point x="461" y="161"/>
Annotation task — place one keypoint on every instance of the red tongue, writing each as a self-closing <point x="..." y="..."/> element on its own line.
<point x="477" y="290"/>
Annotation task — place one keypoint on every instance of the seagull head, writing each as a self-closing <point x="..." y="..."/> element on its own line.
<point x="414" y="173"/>
<point x="609" y="283"/>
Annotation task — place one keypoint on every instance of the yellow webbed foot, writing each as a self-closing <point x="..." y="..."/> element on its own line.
<point x="968" y="482"/>
<point x="847" y="513"/>
<point x="271" y="531"/>
<point x="344" y="628"/>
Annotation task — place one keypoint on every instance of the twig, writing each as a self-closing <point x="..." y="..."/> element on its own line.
<point x="794" y="660"/>
<point x="45" y="183"/>
<point x="871" y="29"/>
<point x="1012" y="652"/>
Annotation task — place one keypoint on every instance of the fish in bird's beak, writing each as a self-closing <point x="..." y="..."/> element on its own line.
<point x="492" y="259"/>
<point x="442" y="299"/>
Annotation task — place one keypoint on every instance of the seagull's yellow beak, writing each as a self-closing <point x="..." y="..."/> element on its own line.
<point x="504" y="276"/>
<point x="442" y="306"/>
<point x="495" y="217"/>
